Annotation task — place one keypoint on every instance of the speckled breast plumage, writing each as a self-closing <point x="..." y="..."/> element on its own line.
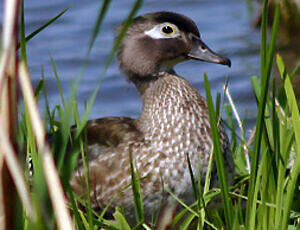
<point x="174" y="122"/>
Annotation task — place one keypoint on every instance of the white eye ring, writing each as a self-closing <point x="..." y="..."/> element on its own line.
<point x="157" y="33"/>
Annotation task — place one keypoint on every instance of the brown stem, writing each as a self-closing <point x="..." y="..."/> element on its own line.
<point x="8" y="108"/>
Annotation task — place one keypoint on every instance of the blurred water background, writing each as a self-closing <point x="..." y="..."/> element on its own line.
<point x="224" y="25"/>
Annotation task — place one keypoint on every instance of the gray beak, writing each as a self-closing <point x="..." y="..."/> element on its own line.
<point x="200" y="51"/>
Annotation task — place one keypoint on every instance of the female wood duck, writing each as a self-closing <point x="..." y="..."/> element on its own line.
<point x="174" y="120"/>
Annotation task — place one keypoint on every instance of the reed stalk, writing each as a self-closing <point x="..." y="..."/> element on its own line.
<point x="64" y="221"/>
<point x="8" y="109"/>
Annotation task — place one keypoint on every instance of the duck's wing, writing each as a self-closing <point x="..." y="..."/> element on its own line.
<point x="109" y="132"/>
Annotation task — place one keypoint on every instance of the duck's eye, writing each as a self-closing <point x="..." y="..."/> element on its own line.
<point x="163" y="31"/>
<point x="168" y="30"/>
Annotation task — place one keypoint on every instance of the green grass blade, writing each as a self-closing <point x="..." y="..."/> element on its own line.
<point x="271" y="47"/>
<point x="83" y="220"/>
<point x="208" y="173"/>
<point x="39" y="88"/>
<point x="195" y="191"/>
<point x="137" y="5"/>
<point x="295" y="71"/>
<point x="200" y="201"/>
<point x="231" y="128"/>
<point x="85" y="162"/>
<point x="75" y="211"/>
<point x="34" y="33"/>
<point x="263" y="47"/>
<point x="293" y="107"/>
<point x="179" y="216"/>
<point x="188" y="208"/>
<point x="22" y="34"/>
<point x="187" y="221"/>
<point x="136" y="189"/>
<point x="123" y="225"/>
<point x="58" y="81"/>
<point x="218" y="156"/>
<point x="101" y="15"/>
<point x="87" y="111"/>
<point x="267" y="54"/>
<point x="218" y="106"/>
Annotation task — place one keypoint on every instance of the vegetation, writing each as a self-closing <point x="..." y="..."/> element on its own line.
<point x="266" y="194"/>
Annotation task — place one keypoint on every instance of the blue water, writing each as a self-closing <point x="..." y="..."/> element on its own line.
<point x="224" y="25"/>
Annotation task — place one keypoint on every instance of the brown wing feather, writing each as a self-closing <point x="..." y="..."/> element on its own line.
<point x="109" y="132"/>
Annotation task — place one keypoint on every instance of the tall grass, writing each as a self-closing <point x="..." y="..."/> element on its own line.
<point x="265" y="195"/>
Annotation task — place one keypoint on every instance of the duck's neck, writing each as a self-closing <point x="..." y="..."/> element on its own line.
<point x="170" y="105"/>
<point x="142" y="83"/>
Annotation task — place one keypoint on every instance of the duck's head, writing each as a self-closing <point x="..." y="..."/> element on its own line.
<point x="156" y="42"/>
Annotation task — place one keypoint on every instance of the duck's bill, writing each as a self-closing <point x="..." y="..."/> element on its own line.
<point x="200" y="51"/>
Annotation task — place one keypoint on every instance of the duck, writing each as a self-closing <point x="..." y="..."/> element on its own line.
<point x="173" y="123"/>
